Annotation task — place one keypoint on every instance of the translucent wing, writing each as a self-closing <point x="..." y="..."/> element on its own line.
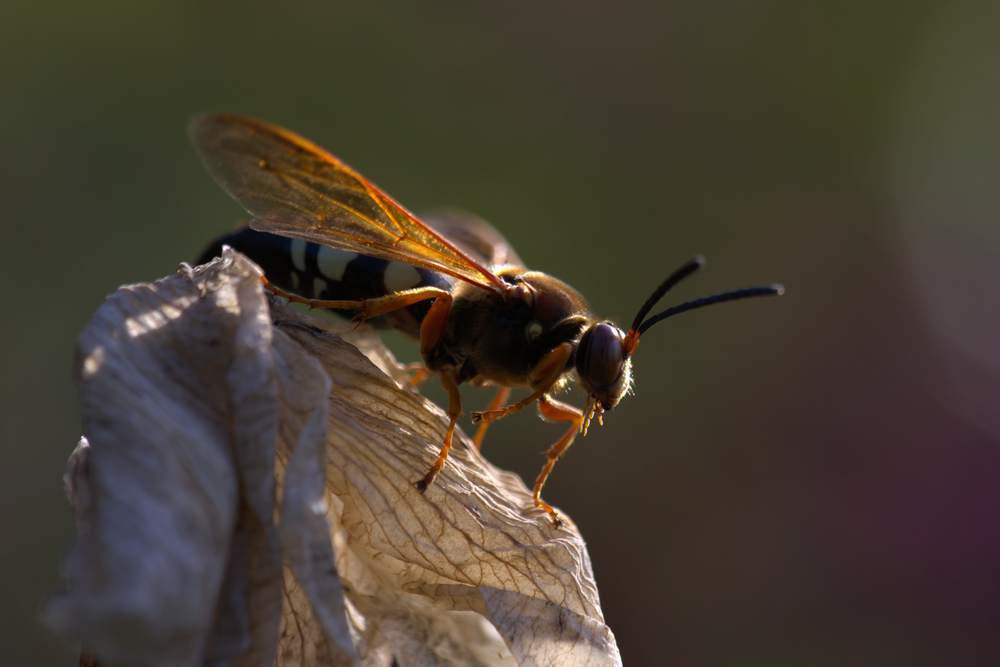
<point x="477" y="238"/>
<point x="295" y="188"/>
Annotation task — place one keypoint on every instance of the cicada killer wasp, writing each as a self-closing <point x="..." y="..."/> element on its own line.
<point x="452" y="282"/>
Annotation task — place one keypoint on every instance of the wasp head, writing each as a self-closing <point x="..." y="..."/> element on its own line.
<point x="603" y="356"/>
<point x="603" y="365"/>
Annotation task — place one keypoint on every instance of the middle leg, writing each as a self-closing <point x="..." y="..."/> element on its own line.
<point x="450" y="385"/>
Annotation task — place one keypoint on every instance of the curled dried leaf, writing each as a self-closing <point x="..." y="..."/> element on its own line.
<point x="247" y="497"/>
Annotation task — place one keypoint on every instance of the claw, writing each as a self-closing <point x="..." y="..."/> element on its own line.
<point x="428" y="479"/>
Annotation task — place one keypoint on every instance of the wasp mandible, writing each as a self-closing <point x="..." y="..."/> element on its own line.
<point x="452" y="282"/>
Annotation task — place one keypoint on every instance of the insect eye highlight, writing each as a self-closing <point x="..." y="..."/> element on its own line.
<point x="533" y="330"/>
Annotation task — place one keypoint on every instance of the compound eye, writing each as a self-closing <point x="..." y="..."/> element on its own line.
<point x="533" y="330"/>
<point x="601" y="356"/>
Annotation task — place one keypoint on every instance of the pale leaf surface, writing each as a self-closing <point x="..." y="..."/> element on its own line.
<point x="247" y="497"/>
<point x="161" y="573"/>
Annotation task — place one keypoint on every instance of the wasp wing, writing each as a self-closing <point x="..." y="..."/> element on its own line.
<point x="473" y="235"/>
<point x="297" y="189"/>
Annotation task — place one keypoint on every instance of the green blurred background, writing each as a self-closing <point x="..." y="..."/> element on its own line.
<point x="811" y="480"/>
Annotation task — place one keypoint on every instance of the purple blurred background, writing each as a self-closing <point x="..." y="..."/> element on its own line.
<point x="807" y="480"/>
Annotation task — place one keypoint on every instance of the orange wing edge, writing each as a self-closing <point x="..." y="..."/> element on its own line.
<point x="381" y="197"/>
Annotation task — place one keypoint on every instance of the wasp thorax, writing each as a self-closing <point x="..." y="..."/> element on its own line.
<point x="601" y="363"/>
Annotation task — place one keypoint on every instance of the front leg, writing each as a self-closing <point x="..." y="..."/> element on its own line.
<point x="559" y="412"/>
<point x="545" y="374"/>
<point x="503" y="393"/>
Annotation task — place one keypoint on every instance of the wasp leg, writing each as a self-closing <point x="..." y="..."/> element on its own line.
<point x="419" y="375"/>
<point x="433" y="324"/>
<point x="313" y="303"/>
<point x="559" y="412"/>
<point x="543" y="376"/>
<point x="503" y="393"/>
<point x="450" y="385"/>
<point x="295" y="298"/>
<point x="435" y="321"/>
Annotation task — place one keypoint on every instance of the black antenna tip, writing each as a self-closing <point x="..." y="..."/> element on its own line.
<point x="735" y="295"/>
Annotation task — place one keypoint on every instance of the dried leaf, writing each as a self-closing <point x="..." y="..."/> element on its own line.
<point x="248" y="493"/>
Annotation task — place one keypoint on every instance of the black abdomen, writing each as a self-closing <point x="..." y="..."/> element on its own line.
<point x="319" y="272"/>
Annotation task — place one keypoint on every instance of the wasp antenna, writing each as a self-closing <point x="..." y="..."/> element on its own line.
<point x="674" y="278"/>
<point x="735" y="295"/>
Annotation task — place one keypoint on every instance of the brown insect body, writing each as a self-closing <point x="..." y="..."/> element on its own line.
<point x="500" y="338"/>
<point x="489" y="322"/>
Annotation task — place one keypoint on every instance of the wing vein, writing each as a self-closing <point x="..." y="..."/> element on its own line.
<point x="294" y="188"/>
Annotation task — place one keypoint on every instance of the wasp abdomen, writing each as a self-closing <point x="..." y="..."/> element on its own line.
<point x="319" y="272"/>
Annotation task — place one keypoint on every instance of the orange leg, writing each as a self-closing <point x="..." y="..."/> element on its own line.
<point x="503" y="393"/>
<point x="454" y="412"/>
<point x="312" y="303"/>
<point x="559" y="412"/>
<point x="431" y="329"/>
<point x="419" y="375"/>
<point x="543" y="376"/>
<point x="435" y="321"/>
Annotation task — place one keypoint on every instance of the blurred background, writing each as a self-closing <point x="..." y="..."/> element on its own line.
<point x="811" y="480"/>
